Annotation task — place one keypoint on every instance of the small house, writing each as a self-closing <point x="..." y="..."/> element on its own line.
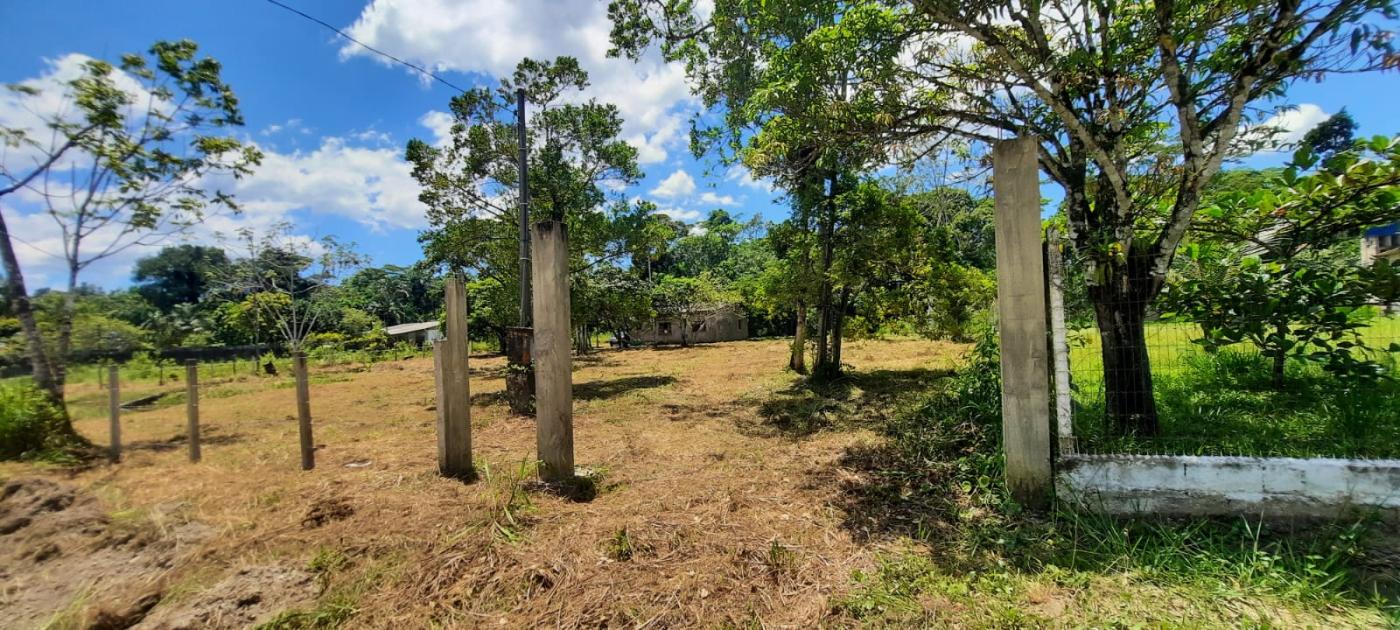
<point x="418" y="333"/>
<point x="1380" y="243"/>
<point x="707" y="324"/>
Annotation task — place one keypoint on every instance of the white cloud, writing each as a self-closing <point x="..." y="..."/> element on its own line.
<point x="370" y="185"/>
<point x="1288" y="126"/>
<point x="292" y="124"/>
<point x="682" y="214"/>
<point x="677" y="184"/>
<point x="440" y="124"/>
<point x="712" y="199"/>
<point x="491" y="37"/>
<point x="743" y="177"/>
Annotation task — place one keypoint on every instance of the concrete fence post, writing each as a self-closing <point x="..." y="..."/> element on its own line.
<point x="1059" y="341"/>
<point x="192" y="407"/>
<point x="554" y="416"/>
<point x="308" y="445"/>
<point x="114" y="415"/>
<point x="1025" y="396"/>
<point x="454" y="390"/>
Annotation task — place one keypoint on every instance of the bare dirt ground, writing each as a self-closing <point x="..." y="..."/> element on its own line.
<point x="724" y="499"/>
<point x="709" y="511"/>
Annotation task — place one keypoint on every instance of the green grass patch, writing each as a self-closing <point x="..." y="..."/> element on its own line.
<point x="1225" y="404"/>
<point x="938" y="479"/>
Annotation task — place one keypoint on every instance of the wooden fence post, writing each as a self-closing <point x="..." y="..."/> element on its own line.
<point x="1025" y="396"/>
<point x="454" y="390"/>
<point x="308" y="447"/>
<point x="554" y="398"/>
<point x="192" y="406"/>
<point x="114" y="411"/>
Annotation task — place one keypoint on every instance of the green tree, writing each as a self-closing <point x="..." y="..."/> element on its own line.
<point x="1262" y="271"/>
<point x="470" y="183"/>
<point x="1332" y="135"/>
<point x="394" y="294"/>
<point x="118" y="168"/>
<point x="178" y="275"/>
<point x="290" y="283"/>
<point x="1136" y="105"/>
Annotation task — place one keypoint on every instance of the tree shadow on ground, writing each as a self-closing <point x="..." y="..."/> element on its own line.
<point x="854" y="399"/>
<point x="591" y="390"/>
<point x="612" y="388"/>
<point x="180" y="440"/>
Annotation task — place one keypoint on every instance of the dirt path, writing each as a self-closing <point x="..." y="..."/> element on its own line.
<point x="716" y="496"/>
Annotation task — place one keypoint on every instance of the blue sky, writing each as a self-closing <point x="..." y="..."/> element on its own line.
<point x="333" y="120"/>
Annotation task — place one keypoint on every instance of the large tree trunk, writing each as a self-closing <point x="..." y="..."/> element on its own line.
<point x="838" y="329"/>
<point x="823" y="368"/>
<point x="798" y="362"/>
<point x="24" y="311"/>
<point x="1127" y="371"/>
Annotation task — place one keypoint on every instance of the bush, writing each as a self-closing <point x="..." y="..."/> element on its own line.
<point x="28" y="421"/>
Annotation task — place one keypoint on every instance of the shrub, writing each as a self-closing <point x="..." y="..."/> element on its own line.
<point x="28" y="421"/>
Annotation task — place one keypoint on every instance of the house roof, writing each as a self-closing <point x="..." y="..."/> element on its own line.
<point x="404" y="329"/>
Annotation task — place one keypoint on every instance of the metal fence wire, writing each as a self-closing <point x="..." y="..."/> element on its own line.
<point x="1141" y="381"/>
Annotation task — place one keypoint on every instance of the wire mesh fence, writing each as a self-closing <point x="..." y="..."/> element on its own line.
<point x="1144" y="381"/>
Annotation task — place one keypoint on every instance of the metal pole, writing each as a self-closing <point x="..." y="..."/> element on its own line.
<point x="525" y="308"/>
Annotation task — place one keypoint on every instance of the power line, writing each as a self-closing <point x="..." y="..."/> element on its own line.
<point x="415" y="67"/>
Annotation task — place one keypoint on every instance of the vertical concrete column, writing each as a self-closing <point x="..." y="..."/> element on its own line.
<point x="192" y="407"/>
<point x="308" y="445"/>
<point x="1059" y="340"/>
<point x="114" y="415"/>
<point x="454" y="392"/>
<point x="554" y="398"/>
<point x="1025" y="395"/>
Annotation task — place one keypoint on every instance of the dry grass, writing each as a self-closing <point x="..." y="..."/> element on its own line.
<point x="723" y="501"/>
<point x="722" y="516"/>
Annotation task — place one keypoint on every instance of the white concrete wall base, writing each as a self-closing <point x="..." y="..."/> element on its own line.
<point x="1280" y="487"/>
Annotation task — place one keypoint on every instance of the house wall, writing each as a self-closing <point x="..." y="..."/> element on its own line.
<point x="417" y="337"/>
<point x="1197" y="485"/>
<point x="715" y="327"/>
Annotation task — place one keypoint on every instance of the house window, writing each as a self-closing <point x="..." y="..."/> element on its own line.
<point x="663" y="329"/>
<point x="697" y="326"/>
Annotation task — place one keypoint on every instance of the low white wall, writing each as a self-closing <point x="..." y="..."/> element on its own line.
<point x="1197" y="485"/>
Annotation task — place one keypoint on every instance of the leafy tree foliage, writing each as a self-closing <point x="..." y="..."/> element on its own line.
<point x="121" y="168"/>
<point x="394" y="294"/>
<point x="178" y="275"/>
<point x="1332" y="135"/>
<point x="1136" y="105"/>
<point x="1263" y="270"/>
<point x="470" y="182"/>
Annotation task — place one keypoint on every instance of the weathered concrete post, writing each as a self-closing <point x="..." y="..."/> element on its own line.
<point x="454" y="397"/>
<point x="1025" y="395"/>
<point x="114" y="414"/>
<point x="554" y="397"/>
<point x="1059" y="341"/>
<point x="308" y="446"/>
<point x="192" y="407"/>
